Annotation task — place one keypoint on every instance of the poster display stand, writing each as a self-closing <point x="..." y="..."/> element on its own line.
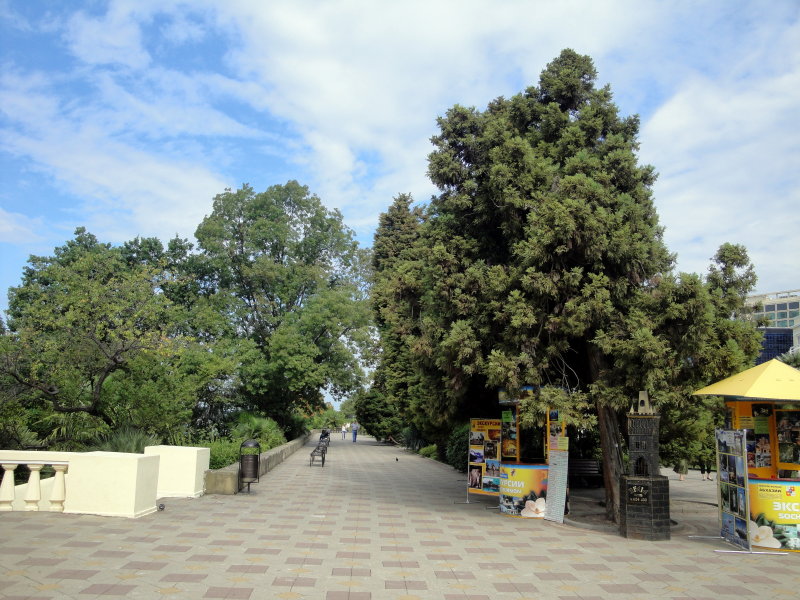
<point x="483" y="464"/>
<point x="732" y="492"/>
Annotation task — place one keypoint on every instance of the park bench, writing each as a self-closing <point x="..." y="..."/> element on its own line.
<point x="319" y="452"/>
<point x="322" y="448"/>
<point x="585" y="472"/>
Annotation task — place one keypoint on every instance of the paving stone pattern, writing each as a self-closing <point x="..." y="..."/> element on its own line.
<point x="368" y="526"/>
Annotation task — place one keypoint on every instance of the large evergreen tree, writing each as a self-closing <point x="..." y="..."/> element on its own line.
<point x="542" y="262"/>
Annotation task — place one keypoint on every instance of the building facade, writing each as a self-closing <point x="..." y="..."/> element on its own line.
<point x="781" y="310"/>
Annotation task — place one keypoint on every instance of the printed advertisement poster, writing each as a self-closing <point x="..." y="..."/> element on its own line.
<point x="733" y="501"/>
<point x="788" y="428"/>
<point x="510" y="444"/>
<point x="484" y="457"/>
<point x="775" y="514"/>
<point x="523" y="490"/>
<point x="556" y="430"/>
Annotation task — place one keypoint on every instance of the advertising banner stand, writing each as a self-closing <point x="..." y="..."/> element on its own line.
<point x="733" y="493"/>
<point x="764" y="403"/>
<point x="483" y="462"/>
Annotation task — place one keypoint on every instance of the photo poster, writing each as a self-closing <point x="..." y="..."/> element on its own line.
<point x="787" y="426"/>
<point x="775" y="515"/>
<point x="509" y="432"/>
<point x="523" y="490"/>
<point x="556" y="431"/>
<point x="734" y="509"/>
<point x="483" y="466"/>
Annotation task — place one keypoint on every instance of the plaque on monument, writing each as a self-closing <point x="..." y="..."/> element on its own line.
<point x="638" y="493"/>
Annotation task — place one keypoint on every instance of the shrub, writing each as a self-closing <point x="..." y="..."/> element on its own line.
<point x="224" y="452"/>
<point x="457" y="450"/>
<point x="265" y="430"/>
<point x="412" y="438"/>
<point x="126" y="439"/>
<point x="429" y="451"/>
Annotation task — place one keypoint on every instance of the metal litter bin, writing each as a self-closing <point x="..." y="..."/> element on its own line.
<point x="249" y="463"/>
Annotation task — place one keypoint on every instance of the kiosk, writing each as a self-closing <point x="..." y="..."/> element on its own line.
<point x="765" y="402"/>
<point x="524" y="458"/>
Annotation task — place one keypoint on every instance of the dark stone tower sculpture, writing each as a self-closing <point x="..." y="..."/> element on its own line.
<point x="644" y="511"/>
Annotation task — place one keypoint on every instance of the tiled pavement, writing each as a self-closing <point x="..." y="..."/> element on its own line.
<point x="374" y="523"/>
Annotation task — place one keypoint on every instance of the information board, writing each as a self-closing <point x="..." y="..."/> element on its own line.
<point x="733" y="494"/>
<point x="483" y="463"/>
<point x="557" y="485"/>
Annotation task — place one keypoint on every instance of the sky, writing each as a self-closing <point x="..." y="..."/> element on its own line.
<point x="127" y="117"/>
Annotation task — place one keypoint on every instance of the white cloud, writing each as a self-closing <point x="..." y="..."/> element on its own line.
<point x="114" y="39"/>
<point x="727" y="152"/>
<point x="16" y="228"/>
<point x="347" y="93"/>
<point x="125" y="190"/>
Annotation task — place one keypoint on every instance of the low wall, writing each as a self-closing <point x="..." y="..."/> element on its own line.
<point x="181" y="470"/>
<point x="225" y="481"/>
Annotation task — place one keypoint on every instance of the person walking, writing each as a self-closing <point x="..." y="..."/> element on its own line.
<point x="344" y="430"/>
<point x="355" y="426"/>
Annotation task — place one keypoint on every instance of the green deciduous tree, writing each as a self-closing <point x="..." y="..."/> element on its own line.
<point x="89" y="338"/>
<point x="291" y="282"/>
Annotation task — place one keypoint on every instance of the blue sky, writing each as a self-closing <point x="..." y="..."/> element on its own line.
<point x="128" y="116"/>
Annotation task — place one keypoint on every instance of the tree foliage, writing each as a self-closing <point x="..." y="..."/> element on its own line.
<point x="268" y="312"/>
<point x="541" y="262"/>
<point x="290" y="279"/>
<point x="81" y="324"/>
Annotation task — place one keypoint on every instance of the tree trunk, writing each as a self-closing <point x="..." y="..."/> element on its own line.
<point x="612" y="459"/>
<point x="609" y="442"/>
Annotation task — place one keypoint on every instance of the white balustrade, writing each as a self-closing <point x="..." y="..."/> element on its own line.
<point x="114" y="484"/>
<point x="7" y="489"/>
<point x="33" y="489"/>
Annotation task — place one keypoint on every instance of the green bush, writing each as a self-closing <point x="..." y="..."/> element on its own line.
<point x="457" y="450"/>
<point x="265" y="430"/>
<point x="224" y="452"/>
<point x="412" y="438"/>
<point x="126" y="439"/>
<point x="429" y="451"/>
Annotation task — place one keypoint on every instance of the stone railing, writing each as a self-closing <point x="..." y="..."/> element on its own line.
<point x="225" y="481"/>
<point x="102" y="483"/>
<point x="33" y="489"/>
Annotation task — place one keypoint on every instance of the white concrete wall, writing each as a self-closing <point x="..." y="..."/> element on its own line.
<point x="113" y="484"/>
<point x="181" y="472"/>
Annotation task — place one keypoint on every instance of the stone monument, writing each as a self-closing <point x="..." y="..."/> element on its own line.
<point x="644" y="492"/>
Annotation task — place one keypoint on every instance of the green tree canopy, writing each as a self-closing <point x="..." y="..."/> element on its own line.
<point x="291" y="281"/>
<point x="91" y="345"/>
<point x="541" y="262"/>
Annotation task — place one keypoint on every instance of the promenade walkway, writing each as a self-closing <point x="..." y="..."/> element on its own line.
<point x="375" y="523"/>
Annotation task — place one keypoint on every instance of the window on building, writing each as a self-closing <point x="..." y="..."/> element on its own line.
<point x="769" y="307"/>
<point x="782" y="315"/>
<point x="794" y="313"/>
<point x="780" y="324"/>
<point x="781" y="306"/>
<point x="794" y="305"/>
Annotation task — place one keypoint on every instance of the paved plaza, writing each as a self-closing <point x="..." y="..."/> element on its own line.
<point x="377" y="523"/>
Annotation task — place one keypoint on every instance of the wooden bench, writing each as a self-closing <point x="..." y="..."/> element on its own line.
<point x="585" y="472"/>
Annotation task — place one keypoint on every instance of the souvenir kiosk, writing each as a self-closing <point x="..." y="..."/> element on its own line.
<point x="765" y="402"/>
<point x="510" y="462"/>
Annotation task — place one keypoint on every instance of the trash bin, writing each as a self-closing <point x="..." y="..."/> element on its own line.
<point x="249" y="457"/>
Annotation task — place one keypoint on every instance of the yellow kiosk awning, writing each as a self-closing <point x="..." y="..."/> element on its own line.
<point x="772" y="380"/>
